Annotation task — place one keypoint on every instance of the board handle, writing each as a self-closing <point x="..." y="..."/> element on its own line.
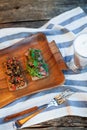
<point x="57" y="55"/>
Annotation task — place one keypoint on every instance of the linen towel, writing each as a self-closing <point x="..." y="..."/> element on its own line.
<point x="63" y="29"/>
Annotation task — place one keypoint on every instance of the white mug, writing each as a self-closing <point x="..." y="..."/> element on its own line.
<point x="80" y="53"/>
<point x="80" y="50"/>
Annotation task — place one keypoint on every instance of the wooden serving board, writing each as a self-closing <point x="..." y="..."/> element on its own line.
<point x="51" y="55"/>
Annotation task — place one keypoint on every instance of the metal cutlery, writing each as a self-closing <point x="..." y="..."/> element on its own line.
<point x="57" y="100"/>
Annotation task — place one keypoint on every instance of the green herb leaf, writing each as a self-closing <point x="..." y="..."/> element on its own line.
<point x="45" y="66"/>
<point x="35" y="63"/>
<point x="33" y="71"/>
<point x="32" y="53"/>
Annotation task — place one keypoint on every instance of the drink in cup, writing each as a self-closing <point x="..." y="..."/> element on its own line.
<point x="80" y="52"/>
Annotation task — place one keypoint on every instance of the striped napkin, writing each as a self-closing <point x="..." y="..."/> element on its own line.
<point x="63" y="29"/>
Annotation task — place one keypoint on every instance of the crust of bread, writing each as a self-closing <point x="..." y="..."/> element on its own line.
<point x="37" y="78"/>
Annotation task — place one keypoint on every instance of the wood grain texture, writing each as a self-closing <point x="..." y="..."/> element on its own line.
<point x="57" y="55"/>
<point x="56" y="128"/>
<point x="63" y="123"/>
<point x="51" y="55"/>
<point x="31" y="12"/>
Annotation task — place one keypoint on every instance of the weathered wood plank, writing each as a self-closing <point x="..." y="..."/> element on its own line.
<point x="29" y="10"/>
<point x="63" y="123"/>
<point x="58" y="128"/>
<point x="33" y="24"/>
<point x="67" y="121"/>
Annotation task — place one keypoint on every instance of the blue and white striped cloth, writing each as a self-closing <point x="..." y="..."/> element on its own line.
<point x="63" y="29"/>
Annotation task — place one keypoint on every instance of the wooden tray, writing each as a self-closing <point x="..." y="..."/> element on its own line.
<point x="52" y="57"/>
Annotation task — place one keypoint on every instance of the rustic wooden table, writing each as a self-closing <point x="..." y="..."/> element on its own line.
<point x="33" y="14"/>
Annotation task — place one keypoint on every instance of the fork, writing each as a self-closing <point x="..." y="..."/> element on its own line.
<point x="57" y="100"/>
<point x="61" y="98"/>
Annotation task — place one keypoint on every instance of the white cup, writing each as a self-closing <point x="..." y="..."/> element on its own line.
<point x="79" y="61"/>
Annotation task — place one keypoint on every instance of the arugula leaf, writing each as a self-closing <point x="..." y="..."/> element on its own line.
<point x="35" y="62"/>
<point x="32" y="53"/>
<point x="45" y="66"/>
<point x="33" y="71"/>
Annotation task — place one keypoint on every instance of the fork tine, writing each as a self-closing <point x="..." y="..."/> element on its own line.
<point x="63" y="94"/>
<point x="68" y="94"/>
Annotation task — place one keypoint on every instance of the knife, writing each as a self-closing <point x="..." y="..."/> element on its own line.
<point x="27" y="111"/>
<point x="20" y="122"/>
<point x="57" y="100"/>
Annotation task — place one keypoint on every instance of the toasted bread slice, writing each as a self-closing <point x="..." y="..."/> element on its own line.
<point x="14" y="74"/>
<point x="36" y="65"/>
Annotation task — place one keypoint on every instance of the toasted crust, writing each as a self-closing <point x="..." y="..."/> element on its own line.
<point x="36" y="78"/>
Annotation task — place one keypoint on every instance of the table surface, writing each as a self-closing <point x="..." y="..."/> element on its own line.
<point x="33" y="14"/>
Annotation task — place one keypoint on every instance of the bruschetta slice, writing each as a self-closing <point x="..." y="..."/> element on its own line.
<point x="36" y="66"/>
<point x="14" y="73"/>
